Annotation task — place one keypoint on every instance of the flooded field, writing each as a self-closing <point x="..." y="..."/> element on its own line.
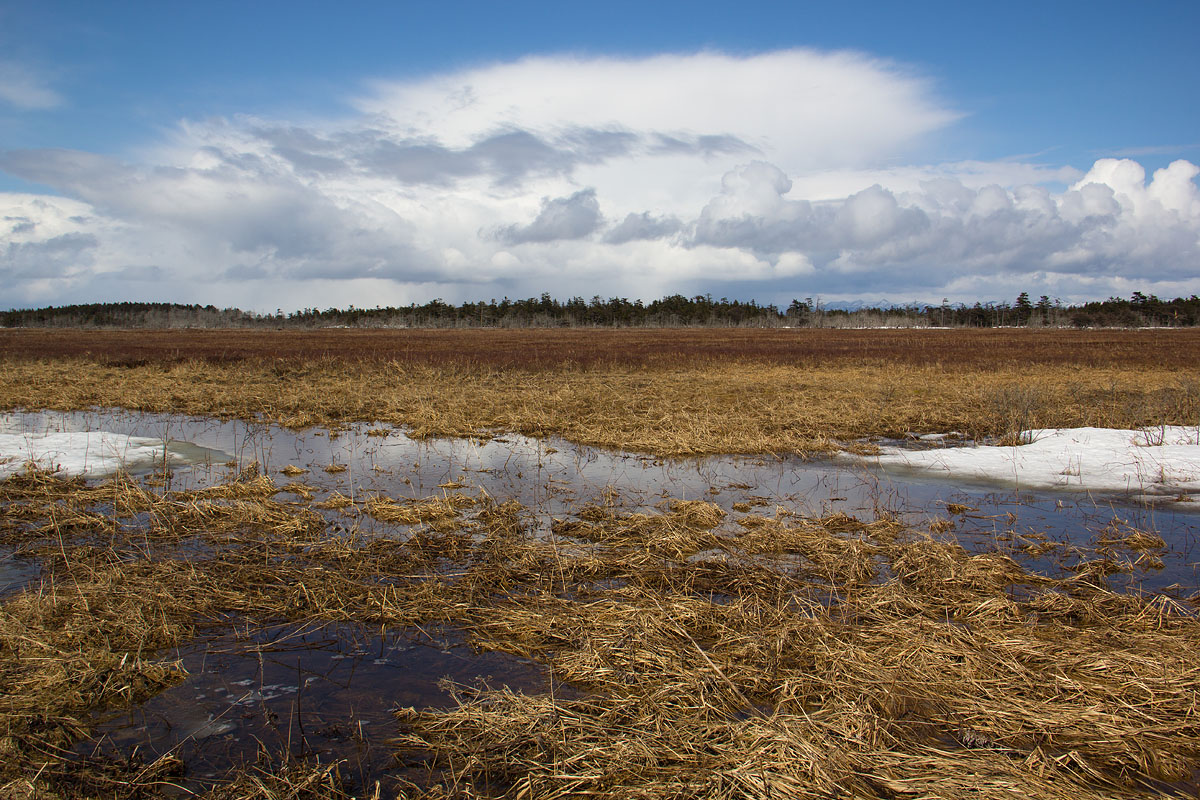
<point x="317" y="581"/>
<point x="551" y="478"/>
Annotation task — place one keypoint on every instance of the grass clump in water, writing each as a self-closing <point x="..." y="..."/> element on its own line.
<point x="693" y="654"/>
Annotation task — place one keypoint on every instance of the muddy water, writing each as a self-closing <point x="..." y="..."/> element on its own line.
<point x="329" y="690"/>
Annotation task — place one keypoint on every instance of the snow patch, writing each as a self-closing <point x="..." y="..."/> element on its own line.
<point x="86" y="453"/>
<point x="1154" y="462"/>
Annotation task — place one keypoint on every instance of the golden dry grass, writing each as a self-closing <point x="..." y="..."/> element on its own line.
<point x="755" y="655"/>
<point x="708" y="655"/>
<point x="736" y="674"/>
<point x="124" y="580"/>
<point x="663" y="392"/>
<point x="666" y="409"/>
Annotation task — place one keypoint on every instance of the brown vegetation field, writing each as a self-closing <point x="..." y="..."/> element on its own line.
<point x="660" y="391"/>
<point x="694" y="650"/>
<point x="709" y="654"/>
<point x="543" y="349"/>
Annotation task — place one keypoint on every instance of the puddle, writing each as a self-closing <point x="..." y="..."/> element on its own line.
<point x="330" y="691"/>
<point x="15" y="572"/>
<point x="326" y="692"/>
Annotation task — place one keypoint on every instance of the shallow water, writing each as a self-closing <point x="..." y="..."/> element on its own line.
<point x="552" y="478"/>
<point x="330" y="690"/>
<point x="325" y="692"/>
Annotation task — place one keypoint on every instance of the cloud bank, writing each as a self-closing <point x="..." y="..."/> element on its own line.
<point x="776" y="175"/>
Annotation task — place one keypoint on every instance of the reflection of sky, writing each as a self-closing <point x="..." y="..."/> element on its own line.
<point x="553" y="478"/>
<point x="246" y="688"/>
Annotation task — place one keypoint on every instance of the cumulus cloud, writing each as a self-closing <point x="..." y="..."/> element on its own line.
<point x="50" y="258"/>
<point x="778" y="174"/>
<point x="814" y="106"/>
<point x="1172" y="190"/>
<point x="1111" y="223"/>
<point x="505" y="157"/>
<point x="235" y="210"/>
<point x="573" y="217"/>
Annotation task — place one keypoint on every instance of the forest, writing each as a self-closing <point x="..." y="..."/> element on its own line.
<point x="1139" y="310"/>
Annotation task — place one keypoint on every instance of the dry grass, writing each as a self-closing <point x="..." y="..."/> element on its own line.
<point x="553" y="350"/>
<point x="129" y="573"/>
<point x="708" y="656"/>
<point x="667" y="408"/>
<point x="754" y="655"/>
<point x="664" y="392"/>
<point x="960" y="675"/>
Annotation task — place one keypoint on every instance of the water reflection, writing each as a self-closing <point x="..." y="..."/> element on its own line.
<point x="330" y="690"/>
<point x="552" y="478"/>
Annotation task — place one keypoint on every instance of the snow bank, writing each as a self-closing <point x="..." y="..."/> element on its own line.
<point x="1156" y="462"/>
<point x="88" y="453"/>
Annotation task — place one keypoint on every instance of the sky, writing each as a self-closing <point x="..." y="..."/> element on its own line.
<point x="275" y="155"/>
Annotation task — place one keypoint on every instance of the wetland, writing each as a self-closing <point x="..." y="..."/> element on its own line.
<point x="578" y="588"/>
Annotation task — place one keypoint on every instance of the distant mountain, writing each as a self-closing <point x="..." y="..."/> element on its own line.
<point x="859" y="305"/>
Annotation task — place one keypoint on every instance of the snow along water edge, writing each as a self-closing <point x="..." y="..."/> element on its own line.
<point x="1158" y="463"/>
<point x="89" y="454"/>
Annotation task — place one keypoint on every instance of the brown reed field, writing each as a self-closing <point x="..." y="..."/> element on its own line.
<point x="540" y="349"/>
<point x="692" y="651"/>
<point x="668" y="392"/>
<point x="695" y="653"/>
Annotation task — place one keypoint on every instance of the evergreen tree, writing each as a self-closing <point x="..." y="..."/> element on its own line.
<point x="1023" y="308"/>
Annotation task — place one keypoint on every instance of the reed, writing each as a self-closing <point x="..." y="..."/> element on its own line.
<point x="668" y="408"/>
<point x="694" y="653"/>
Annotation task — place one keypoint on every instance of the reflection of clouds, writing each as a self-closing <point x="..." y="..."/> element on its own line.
<point x="556" y="485"/>
<point x="522" y="468"/>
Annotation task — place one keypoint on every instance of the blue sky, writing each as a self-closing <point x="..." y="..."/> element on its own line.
<point x="295" y="154"/>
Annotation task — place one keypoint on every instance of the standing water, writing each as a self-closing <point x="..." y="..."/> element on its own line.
<point x="330" y="688"/>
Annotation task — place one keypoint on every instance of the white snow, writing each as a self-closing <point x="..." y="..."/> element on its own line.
<point x="87" y="453"/>
<point x="1154" y="462"/>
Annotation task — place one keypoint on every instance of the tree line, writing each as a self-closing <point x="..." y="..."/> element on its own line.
<point x="1139" y="310"/>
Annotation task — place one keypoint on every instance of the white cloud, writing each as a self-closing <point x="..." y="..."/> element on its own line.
<point x="642" y="226"/>
<point x="780" y="174"/>
<point x="835" y="184"/>
<point x="1111" y="224"/>
<point x="1172" y="189"/>
<point x="815" y="107"/>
